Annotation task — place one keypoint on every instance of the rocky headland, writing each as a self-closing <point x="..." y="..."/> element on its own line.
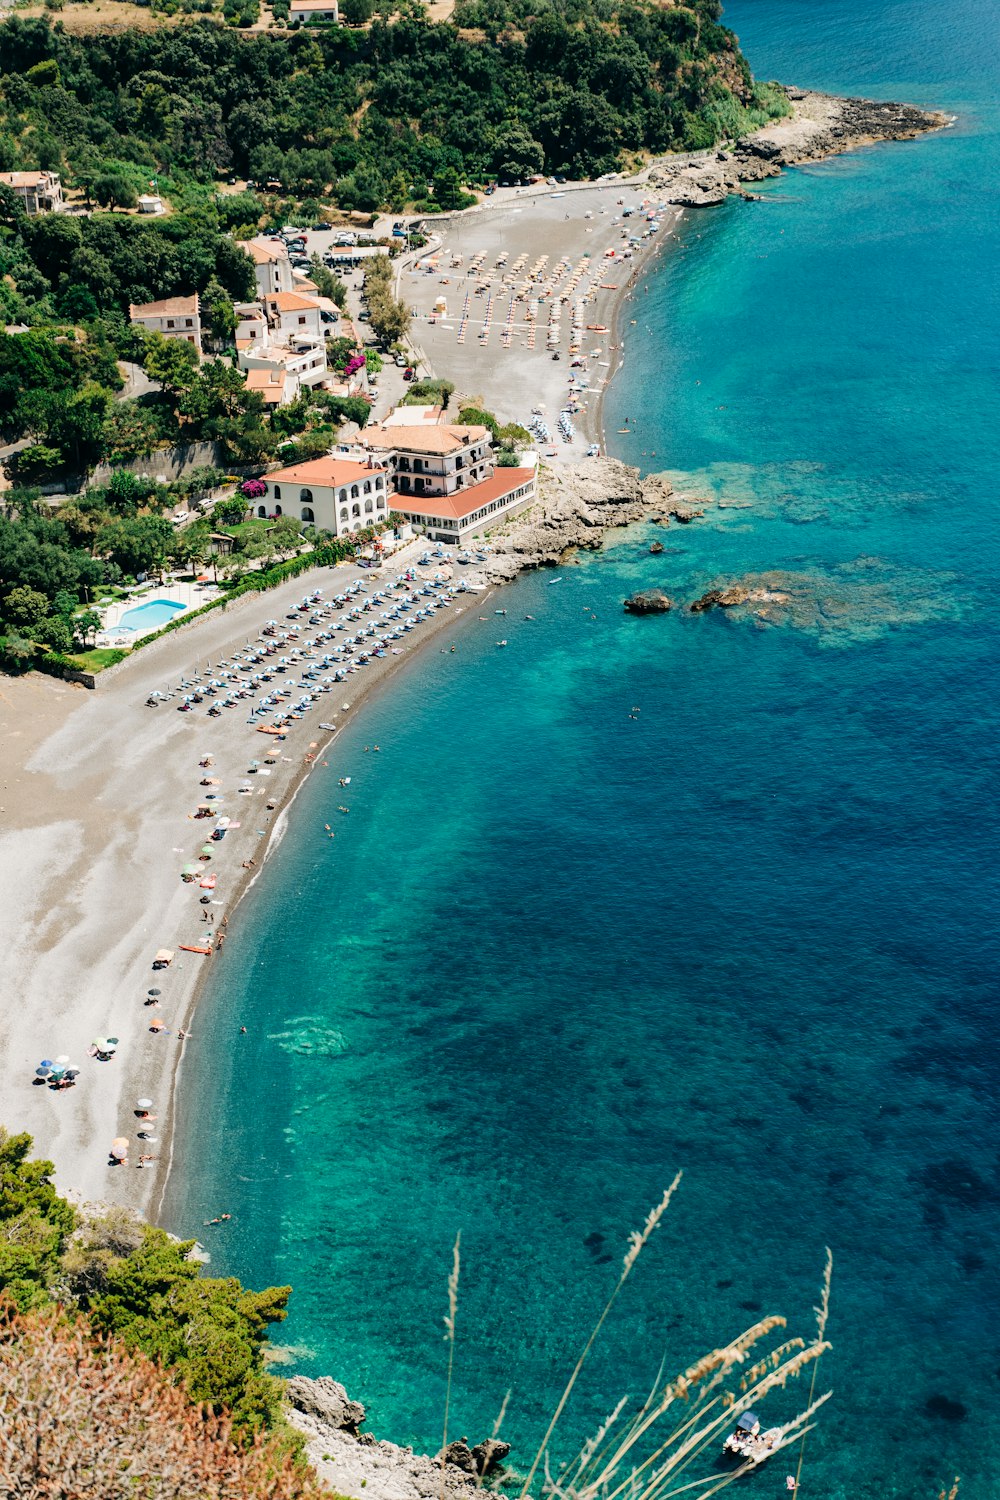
<point x="577" y="505"/>
<point x="357" y="1464"/>
<point x="820" y="125"/>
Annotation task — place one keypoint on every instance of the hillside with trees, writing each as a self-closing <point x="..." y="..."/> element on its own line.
<point x="371" y="116"/>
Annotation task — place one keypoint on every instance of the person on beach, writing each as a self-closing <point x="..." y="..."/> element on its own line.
<point x="243" y="1031"/>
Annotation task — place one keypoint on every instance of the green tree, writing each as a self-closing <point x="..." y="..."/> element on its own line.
<point x="87" y="624"/>
<point x="327" y="284"/>
<point x="34" y="1220"/>
<point x="230" y="511"/>
<point x="217" y="310"/>
<point x="137" y="544"/>
<point x="55" y="632"/>
<point x="114" y="190"/>
<point x="25" y="608"/>
<point x="173" y="362"/>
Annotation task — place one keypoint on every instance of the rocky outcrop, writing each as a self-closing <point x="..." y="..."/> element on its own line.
<point x="328" y="1401"/>
<point x="648" y="602"/>
<point x="355" y="1463"/>
<point x="737" y="593"/>
<point x="820" y="125"/>
<point x="578" y="504"/>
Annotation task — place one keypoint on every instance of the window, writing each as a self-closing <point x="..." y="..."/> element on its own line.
<point x="368" y="507"/>
<point x="302" y="322"/>
<point x="378" y="484"/>
<point x="262" y="512"/>
<point x="305" y="496"/>
<point x="307" y="514"/>
<point x="355" y="492"/>
<point x="170" y="322"/>
<point x="355" y="510"/>
<point x="342" y="496"/>
<point x="188" y="323"/>
<point x="277" y="492"/>
<point x="277" y="510"/>
<point x="343" y="513"/>
<point x="367" y="486"/>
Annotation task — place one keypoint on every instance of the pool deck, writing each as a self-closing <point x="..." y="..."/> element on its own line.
<point x="185" y="596"/>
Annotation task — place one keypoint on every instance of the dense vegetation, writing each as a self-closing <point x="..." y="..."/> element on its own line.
<point x="137" y="1284"/>
<point x="375" y="116"/>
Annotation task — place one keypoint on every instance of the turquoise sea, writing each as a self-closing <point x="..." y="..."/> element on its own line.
<point x="556" y="952"/>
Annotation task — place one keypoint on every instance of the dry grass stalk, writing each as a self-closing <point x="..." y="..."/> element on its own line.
<point x="822" y="1315"/>
<point x="449" y="1324"/>
<point x="638" y="1240"/>
<point x="624" y="1469"/>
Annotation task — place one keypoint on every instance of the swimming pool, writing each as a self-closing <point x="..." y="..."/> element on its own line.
<point x="151" y="616"/>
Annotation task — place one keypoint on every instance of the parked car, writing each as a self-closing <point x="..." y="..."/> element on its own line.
<point x="409" y="374"/>
<point x="401" y="361"/>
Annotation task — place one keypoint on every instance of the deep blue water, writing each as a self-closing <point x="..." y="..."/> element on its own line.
<point x="556" y="952"/>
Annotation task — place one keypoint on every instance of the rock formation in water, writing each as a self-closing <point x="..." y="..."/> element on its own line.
<point x="820" y="125"/>
<point x="648" y="602"/>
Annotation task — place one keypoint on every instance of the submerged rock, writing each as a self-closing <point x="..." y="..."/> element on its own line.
<point x="649" y="602"/>
<point x="656" y="548"/>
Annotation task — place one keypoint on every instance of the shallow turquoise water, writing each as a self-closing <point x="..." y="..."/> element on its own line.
<point x="555" y="952"/>
<point x="149" y="616"/>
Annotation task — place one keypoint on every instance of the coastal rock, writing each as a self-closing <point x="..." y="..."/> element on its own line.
<point x="656" y="548"/>
<point x="488" y="1456"/>
<point x="328" y="1401"/>
<point x="649" y="602"/>
<point x="820" y="125"/>
<point x="578" y="504"/>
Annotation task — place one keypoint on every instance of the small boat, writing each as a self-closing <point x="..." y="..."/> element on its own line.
<point x="749" y="1443"/>
<point x="330" y="727"/>
<point x="555" y="580"/>
<point x="501" y="643"/>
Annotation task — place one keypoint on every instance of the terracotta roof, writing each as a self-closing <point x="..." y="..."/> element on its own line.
<point x="170" y="307"/>
<point x="328" y="472"/>
<point x="429" y="437"/>
<point x="28" y="179"/>
<point x="313" y="5"/>
<point x="456" y="507"/>
<point x="269" y="382"/>
<point x="263" y="255"/>
<point x="291" y="302"/>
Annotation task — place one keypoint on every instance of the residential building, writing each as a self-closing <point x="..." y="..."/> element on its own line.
<point x="290" y="312"/>
<point x="465" y="513"/>
<point x="271" y="265"/>
<point x="276" y="385"/>
<point x="313" y="10"/>
<point x="334" y="494"/>
<point x="299" y="351"/>
<point x="174" y="317"/>
<point x="431" y="458"/>
<point x="412" y="416"/>
<point x="150" y="203"/>
<point x="39" y="192"/>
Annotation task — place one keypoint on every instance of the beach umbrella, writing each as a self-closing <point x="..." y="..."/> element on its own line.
<point x="144" y="1104"/>
<point x="157" y="1024"/>
<point x="73" y="1072"/>
<point x="120" y="1143"/>
<point x="46" y="1062"/>
<point x="43" y="1072"/>
<point x="100" y="1044"/>
<point x="62" y="1058"/>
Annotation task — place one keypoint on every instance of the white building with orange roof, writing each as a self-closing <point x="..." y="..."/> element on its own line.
<point x="334" y="494"/>
<point x="272" y="268"/>
<point x="291" y="312"/>
<point x="277" y="386"/>
<point x="470" y="512"/>
<point x="39" y="192"/>
<point x="174" y="317"/>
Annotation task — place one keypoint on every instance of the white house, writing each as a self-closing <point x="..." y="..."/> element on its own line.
<point x="464" y="513"/>
<point x="313" y="10"/>
<point x="276" y="385"/>
<point x="306" y="364"/>
<point x="174" y="317"/>
<point x="271" y="265"/>
<point x="432" y="458"/>
<point x="334" y="494"/>
<point x="298" y="351"/>
<point x="290" y="312"/>
<point x="150" y="203"/>
<point x="39" y="192"/>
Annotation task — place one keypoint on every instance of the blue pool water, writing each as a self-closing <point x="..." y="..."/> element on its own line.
<point x="556" y="952"/>
<point x="151" y="616"/>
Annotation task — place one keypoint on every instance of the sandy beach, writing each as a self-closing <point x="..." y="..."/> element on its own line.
<point x="99" y="793"/>
<point x="515" y="277"/>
